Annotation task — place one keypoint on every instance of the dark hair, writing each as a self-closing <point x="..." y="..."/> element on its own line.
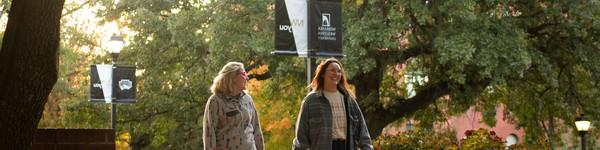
<point x="317" y="81"/>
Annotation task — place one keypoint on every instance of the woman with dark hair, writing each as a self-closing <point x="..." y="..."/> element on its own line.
<point x="329" y="116"/>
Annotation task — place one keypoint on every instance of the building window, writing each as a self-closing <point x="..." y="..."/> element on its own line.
<point x="512" y="139"/>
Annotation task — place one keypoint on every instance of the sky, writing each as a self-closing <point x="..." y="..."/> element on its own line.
<point x="3" y="20"/>
<point x="86" y="21"/>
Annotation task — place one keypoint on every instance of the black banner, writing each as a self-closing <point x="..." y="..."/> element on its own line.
<point x="325" y="28"/>
<point x="112" y="84"/>
<point x="123" y="84"/>
<point x="96" y="92"/>
<point x="308" y="28"/>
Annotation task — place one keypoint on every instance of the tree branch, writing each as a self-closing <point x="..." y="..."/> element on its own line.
<point x="260" y="77"/>
<point x="418" y="26"/>
<point x="68" y="12"/>
<point x="362" y="8"/>
<point x="146" y="117"/>
<point x="395" y="55"/>
<point x="536" y="30"/>
<point x="252" y="66"/>
<point x="423" y="99"/>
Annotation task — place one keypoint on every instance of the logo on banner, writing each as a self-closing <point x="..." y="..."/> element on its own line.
<point x="293" y="22"/>
<point x="326" y="19"/>
<point x="125" y="84"/>
<point x="326" y="32"/>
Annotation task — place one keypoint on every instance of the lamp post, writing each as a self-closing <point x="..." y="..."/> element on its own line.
<point x="583" y="124"/>
<point x="116" y="43"/>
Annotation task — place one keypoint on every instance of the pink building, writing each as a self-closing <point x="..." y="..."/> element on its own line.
<point x="471" y="120"/>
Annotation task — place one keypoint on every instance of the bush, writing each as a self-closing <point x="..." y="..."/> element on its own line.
<point x="415" y="139"/>
<point x="480" y="139"/>
<point x="539" y="144"/>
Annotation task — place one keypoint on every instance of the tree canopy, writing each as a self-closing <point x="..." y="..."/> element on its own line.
<point x="541" y="59"/>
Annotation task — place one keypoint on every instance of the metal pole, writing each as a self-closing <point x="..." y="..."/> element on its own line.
<point x="309" y="60"/>
<point x="308" y="70"/>
<point x="113" y="116"/>
<point x="583" y="141"/>
<point x="113" y="108"/>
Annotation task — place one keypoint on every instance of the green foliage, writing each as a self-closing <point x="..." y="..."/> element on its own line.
<point x="416" y="139"/>
<point x="180" y="46"/>
<point x="4" y="7"/>
<point x="68" y="105"/>
<point x="539" y="58"/>
<point x="278" y="101"/>
<point x="533" y="56"/>
<point x="541" y="143"/>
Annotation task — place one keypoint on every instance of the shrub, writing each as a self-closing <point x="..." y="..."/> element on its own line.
<point x="480" y="139"/>
<point x="415" y="139"/>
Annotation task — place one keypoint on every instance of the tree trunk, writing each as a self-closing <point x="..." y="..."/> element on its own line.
<point x="28" y="68"/>
<point x="376" y="116"/>
<point x="367" y="95"/>
<point x="140" y="141"/>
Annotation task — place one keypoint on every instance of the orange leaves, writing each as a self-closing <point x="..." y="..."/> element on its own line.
<point x="282" y="124"/>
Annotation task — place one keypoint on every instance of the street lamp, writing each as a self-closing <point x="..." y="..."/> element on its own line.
<point x="115" y="44"/>
<point x="583" y="124"/>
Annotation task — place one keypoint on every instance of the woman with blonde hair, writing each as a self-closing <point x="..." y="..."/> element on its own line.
<point x="330" y="118"/>
<point x="230" y="117"/>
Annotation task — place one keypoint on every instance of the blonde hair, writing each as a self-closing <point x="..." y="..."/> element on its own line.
<point x="223" y="83"/>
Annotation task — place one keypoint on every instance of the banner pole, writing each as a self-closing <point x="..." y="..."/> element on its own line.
<point x="113" y="107"/>
<point x="309" y="59"/>
<point x="308" y="71"/>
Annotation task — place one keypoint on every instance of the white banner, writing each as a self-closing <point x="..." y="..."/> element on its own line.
<point x="298" y="15"/>
<point x="105" y="74"/>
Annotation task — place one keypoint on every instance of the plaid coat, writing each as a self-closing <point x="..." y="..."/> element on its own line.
<point x="314" y="125"/>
